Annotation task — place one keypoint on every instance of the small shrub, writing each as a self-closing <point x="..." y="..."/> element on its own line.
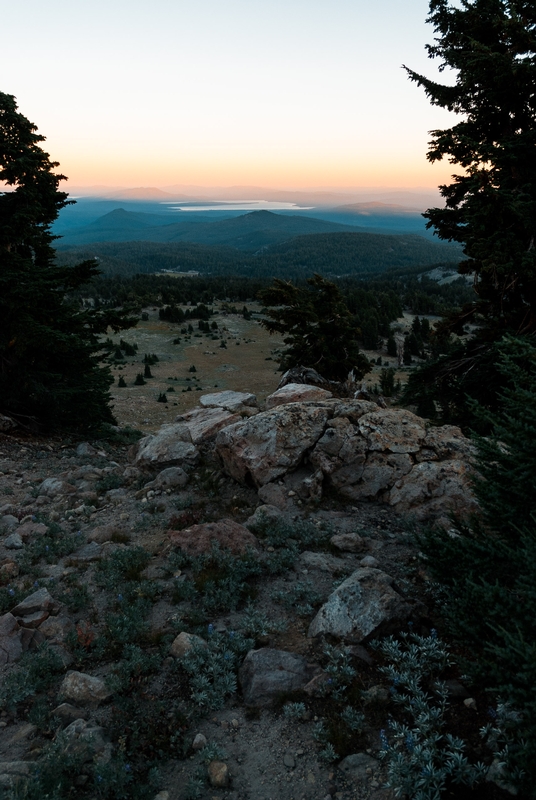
<point x="140" y="380"/>
<point x="212" y="669"/>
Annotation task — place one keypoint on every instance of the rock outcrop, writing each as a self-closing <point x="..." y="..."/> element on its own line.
<point x="359" y="449"/>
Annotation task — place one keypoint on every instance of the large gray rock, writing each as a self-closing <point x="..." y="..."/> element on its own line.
<point x="433" y="489"/>
<point x="84" y="739"/>
<point x="41" y="600"/>
<point x="357" y="607"/>
<point x="265" y="674"/>
<point x="272" y="443"/>
<point x="296" y="393"/>
<point x="184" y="643"/>
<point x="82" y="689"/>
<point x="55" y="487"/>
<point x="232" y="401"/>
<point x="171" y="446"/>
<point x="204" y="423"/>
<point x="226" y="533"/>
<point x="359" y="767"/>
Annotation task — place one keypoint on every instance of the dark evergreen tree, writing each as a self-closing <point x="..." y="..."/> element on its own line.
<point x="140" y="380"/>
<point x="147" y="372"/>
<point x="50" y="353"/>
<point x="489" y="569"/>
<point x="317" y="326"/>
<point x="391" y="346"/>
<point x="491" y="207"/>
<point x="121" y="382"/>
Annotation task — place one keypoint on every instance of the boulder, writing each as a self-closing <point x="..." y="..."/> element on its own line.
<point x="54" y="487"/>
<point x="392" y="430"/>
<point x="184" y="642"/>
<point x="296" y="393"/>
<point x="321" y="561"/>
<point x="41" y="600"/>
<point x="204" y="423"/>
<point x="359" y="767"/>
<point x="83" y="689"/>
<point x="171" y="446"/>
<point x="84" y="739"/>
<point x="28" y="530"/>
<point x="10" y="640"/>
<point x="272" y="443"/>
<point x="265" y="674"/>
<point x="262" y="516"/>
<point x="13" y="542"/>
<point x="169" y="478"/>
<point x="227" y="533"/>
<point x="357" y="607"/>
<point x="218" y="774"/>
<point x="433" y="489"/>
<point x="232" y="401"/>
<point x="347" y="542"/>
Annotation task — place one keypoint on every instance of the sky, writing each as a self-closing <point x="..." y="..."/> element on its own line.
<point x="278" y="93"/>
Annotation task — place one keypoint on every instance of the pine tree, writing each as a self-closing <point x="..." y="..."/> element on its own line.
<point x="489" y="569"/>
<point x="317" y="326"/>
<point x="491" y="205"/>
<point x="50" y="354"/>
<point x="147" y="372"/>
<point x="121" y="382"/>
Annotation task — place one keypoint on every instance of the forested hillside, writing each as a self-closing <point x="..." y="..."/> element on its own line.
<point x="331" y="254"/>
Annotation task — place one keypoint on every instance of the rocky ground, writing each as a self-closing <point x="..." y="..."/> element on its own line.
<point x="124" y="629"/>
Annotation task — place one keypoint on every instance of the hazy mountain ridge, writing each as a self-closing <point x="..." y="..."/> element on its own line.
<point x="252" y="231"/>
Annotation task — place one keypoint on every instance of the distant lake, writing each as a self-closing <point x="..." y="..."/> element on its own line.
<point x="235" y="205"/>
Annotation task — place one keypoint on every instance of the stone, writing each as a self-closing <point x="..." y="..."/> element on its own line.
<point x="84" y="689"/>
<point x="296" y="393"/>
<point x="200" y="742"/>
<point x="347" y="542"/>
<point x="274" y="495"/>
<point x="266" y="674"/>
<point x="33" y="620"/>
<point x="270" y="444"/>
<point x="12" y="771"/>
<point x="171" y="446"/>
<point x="392" y="430"/>
<point x="29" y="530"/>
<point x="204" y="423"/>
<point x="57" y="628"/>
<point x="227" y="533"/>
<point x="358" y="767"/>
<point x="369" y="561"/>
<point x="321" y="561"/>
<point x="379" y="472"/>
<point x="85" y="449"/>
<point x="68" y="713"/>
<point x="288" y="761"/>
<point x="163" y="795"/>
<point x="55" y="487"/>
<point x="232" y="401"/>
<point x="13" y="542"/>
<point x="184" y="642"/>
<point x="41" y="600"/>
<point x="9" y="520"/>
<point x="10" y="641"/>
<point x="105" y="533"/>
<point x="357" y="607"/>
<point x="262" y="516"/>
<point x="218" y="774"/>
<point x="84" y="739"/>
<point x="86" y="554"/>
<point x="433" y="489"/>
<point x="169" y="478"/>
<point x="8" y="569"/>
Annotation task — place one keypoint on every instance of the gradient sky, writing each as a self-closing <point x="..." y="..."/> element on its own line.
<point x="279" y="93"/>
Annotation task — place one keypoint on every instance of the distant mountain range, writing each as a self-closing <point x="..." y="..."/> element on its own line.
<point x="331" y="254"/>
<point x="250" y="232"/>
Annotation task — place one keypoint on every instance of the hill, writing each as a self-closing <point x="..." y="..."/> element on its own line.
<point x="253" y="231"/>
<point x="329" y="253"/>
